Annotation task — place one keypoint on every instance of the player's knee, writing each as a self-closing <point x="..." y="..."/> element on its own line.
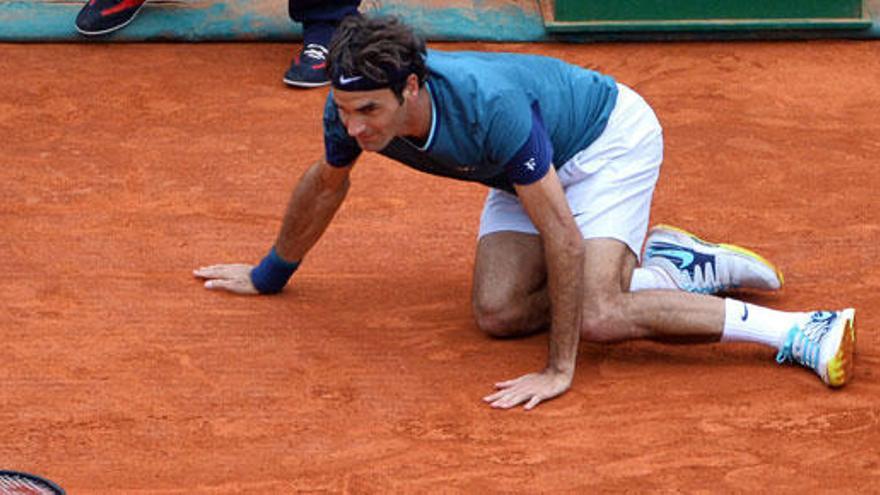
<point x="494" y="317"/>
<point x="494" y="323"/>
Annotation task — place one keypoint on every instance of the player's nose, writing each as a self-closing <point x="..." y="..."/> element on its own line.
<point x="355" y="127"/>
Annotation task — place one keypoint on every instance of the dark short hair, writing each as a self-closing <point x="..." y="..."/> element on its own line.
<point x="376" y="47"/>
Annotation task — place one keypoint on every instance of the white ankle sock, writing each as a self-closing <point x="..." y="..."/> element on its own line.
<point x="650" y="278"/>
<point x="745" y="322"/>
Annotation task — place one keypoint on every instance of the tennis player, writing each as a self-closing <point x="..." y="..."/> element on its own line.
<point x="571" y="158"/>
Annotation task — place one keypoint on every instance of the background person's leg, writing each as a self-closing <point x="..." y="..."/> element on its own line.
<point x="319" y="20"/>
<point x="321" y="11"/>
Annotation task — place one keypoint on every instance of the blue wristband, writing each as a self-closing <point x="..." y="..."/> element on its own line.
<point x="272" y="274"/>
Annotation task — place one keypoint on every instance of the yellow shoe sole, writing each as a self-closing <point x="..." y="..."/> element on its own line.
<point x="840" y="368"/>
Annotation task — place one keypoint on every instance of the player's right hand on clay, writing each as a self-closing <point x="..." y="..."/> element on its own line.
<point x="233" y="278"/>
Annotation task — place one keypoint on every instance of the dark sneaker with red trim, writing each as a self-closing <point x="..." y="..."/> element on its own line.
<point x="309" y="68"/>
<point x="105" y="16"/>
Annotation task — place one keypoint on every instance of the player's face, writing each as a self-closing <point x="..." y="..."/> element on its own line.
<point x="373" y="118"/>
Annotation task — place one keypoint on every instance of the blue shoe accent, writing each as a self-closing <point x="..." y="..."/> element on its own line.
<point x="683" y="258"/>
<point x="803" y="345"/>
<point x="808" y="354"/>
<point x="689" y="261"/>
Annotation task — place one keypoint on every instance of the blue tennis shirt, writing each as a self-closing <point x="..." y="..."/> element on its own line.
<point x="497" y="118"/>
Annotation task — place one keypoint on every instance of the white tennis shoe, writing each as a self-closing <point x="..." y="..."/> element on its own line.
<point x="825" y="344"/>
<point x="707" y="268"/>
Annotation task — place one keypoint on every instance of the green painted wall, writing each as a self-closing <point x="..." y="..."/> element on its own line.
<point x="602" y="10"/>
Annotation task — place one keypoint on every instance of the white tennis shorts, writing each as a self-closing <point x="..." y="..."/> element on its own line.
<point x="609" y="185"/>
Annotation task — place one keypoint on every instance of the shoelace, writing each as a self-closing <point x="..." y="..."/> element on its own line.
<point x="804" y="345"/>
<point x="315" y="51"/>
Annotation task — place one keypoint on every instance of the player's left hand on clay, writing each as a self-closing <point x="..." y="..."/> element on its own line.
<point x="234" y="278"/>
<point x="531" y="389"/>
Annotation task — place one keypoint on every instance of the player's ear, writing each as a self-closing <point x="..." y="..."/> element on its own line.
<point x="411" y="90"/>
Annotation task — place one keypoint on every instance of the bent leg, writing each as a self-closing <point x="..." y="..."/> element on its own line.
<point x="510" y="295"/>
<point x="612" y="313"/>
<point x="821" y="340"/>
<point x="510" y="279"/>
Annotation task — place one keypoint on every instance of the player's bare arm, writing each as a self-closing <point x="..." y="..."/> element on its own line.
<point x="315" y="200"/>
<point x="546" y="205"/>
<point x="313" y="203"/>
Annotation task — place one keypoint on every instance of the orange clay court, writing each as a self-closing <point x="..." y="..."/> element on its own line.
<point x="124" y="167"/>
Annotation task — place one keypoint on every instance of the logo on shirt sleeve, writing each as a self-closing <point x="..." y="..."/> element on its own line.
<point x="530" y="164"/>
